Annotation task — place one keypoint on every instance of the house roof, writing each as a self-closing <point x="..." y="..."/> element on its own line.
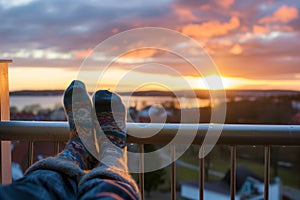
<point x="242" y="173"/>
<point x="217" y="186"/>
<point x="223" y="186"/>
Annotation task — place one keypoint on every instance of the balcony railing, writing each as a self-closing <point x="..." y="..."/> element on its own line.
<point x="232" y="135"/>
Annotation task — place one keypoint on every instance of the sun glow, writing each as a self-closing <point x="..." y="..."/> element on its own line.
<point x="34" y="78"/>
<point x="216" y="82"/>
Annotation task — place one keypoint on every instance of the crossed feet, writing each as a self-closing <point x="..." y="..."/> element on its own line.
<point x="93" y="138"/>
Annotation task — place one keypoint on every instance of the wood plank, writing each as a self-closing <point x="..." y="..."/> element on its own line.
<point x="5" y="151"/>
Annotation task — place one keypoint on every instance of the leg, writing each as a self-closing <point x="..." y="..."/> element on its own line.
<point x="41" y="184"/>
<point x="110" y="179"/>
<point x="58" y="177"/>
<point x="104" y="188"/>
<point x="77" y="105"/>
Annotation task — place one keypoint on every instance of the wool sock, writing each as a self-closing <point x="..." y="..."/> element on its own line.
<point x="111" y="116"/>
<point x="77" y="104"/>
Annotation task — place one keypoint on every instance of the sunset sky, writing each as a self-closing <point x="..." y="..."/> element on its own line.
<point x="254" y="44"/>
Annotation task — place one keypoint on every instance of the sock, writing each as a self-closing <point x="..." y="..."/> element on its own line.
<point x="75" y="151"/>
<point x="111" y="116"/>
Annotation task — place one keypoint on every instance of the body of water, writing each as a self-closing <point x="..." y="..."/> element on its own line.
<point x="44" y="101"/>
<point x="50" y="102"/>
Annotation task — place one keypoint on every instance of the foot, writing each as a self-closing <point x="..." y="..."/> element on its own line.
<point x="111" y="116"/>
<point x="78" y="108"/>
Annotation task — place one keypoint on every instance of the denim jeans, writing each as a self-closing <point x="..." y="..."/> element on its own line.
<point x="44" y="182"/>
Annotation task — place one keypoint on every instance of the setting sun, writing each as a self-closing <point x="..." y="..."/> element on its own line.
<point x="216" y="82"/>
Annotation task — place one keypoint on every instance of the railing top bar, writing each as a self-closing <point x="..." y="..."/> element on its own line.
<point x="232" y="134"/>
<point x="5" y="61"/>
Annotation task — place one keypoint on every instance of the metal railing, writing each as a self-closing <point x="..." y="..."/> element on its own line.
<point x="232" y="135"/>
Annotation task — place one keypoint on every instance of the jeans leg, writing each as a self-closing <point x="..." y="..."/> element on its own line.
<point x="99" y="188"/>
<point x="107" y="183"/>
<point x="50" y="178"/>
<point x="41" y="184"/>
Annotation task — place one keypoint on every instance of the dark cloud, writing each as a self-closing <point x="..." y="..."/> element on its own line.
<point x="69" y="26"/>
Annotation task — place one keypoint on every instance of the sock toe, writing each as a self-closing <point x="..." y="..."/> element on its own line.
<point x="106" y="101"/>
<point x="75" y="86"/>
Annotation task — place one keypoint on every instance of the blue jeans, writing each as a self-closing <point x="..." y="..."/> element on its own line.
<point x="44" y="181"/>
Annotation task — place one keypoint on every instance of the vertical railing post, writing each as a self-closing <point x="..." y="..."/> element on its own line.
<point x="142" y="171"/>
<point x="5" y="152"/>
<point x="267" y="172"/>
<point x="30" y="153"/>
<point x="201" y="169"/>
<point x="173" y="172"/>
<point x="233" y="173"/>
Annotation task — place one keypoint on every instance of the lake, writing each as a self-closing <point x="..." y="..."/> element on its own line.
<point x="139" y="101"/>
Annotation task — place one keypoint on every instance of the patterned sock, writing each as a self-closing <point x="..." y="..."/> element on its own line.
<point x="111" y="116"/>
<point x="75" y="151"/>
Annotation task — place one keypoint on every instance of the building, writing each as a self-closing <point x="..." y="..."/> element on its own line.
<point x="248" y="187"/>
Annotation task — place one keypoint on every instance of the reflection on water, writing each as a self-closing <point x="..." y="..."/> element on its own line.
<point x="130" y="101"/>
<point x="45" y="101"/>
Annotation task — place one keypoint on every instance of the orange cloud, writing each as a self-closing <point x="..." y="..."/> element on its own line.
<point x="137" y="56"/>
<point x="225" y="3"/>
<point x="260" y="29"/>
<point x="284" y="14"/>
<point x="225" y="42"/>
<point x="211" y="28"/>
<point x="84" y="53"/>
<point x="236" y="49"/>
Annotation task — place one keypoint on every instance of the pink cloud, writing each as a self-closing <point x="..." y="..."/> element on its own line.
<point x="205" y="7"/>
<point x="84" y="53"/>
<point x="211" y="28"/>
<point x="115" y="30"/>
<point x="185" y="14"/>
<point x="224" y="3"/>
<point x="284" y="14"/>
<point x="283" y="28"/>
